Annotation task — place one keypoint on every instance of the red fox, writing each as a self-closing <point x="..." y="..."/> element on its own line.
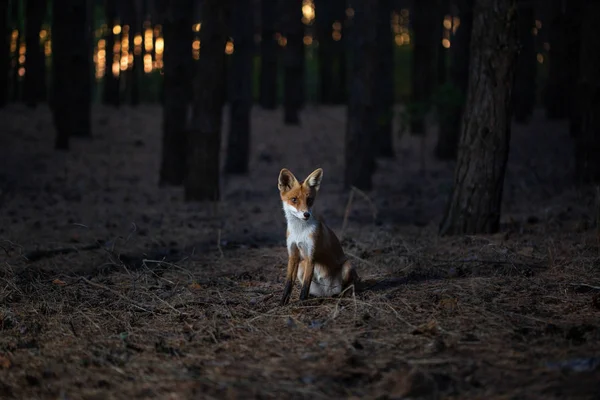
<point x="315" y="255"/>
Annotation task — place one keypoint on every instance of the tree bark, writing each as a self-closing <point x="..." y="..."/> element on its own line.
<point x="268" y="56"/>
<point x="524" y="90"/>
<point x="35" y="71"/>
<point x="71" y="71"/>
<point x="238" y="143"/>
<point x="557" y="84"/>
<point x="385" y="81"/>
<point x="324" y="22"/>
<point x="136" y="70"/>
<point x="452" y="110"/>
<point x="204" y="140"/>
<point x="111" y="92"/>
<point x="423" y="66"/>
<point x="574" y="15"/>
<point x="178" y="34"/>
<point x="4" y="52"/>
<point x="293" y="61"/>
<point x="475" y="202"/>
<point x="587" y="141"/>
<point x="362" y="118"/>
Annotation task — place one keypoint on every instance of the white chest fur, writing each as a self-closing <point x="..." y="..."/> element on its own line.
<point x="301" y="234"/>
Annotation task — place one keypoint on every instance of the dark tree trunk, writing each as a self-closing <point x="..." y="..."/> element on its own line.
<point x="587" y="141"/>
<point x="238" y="143"/>
<point x="452" y="110"/>
<point x="424" y="66"/>
<point x="524" y="90"/>
<point x="293" y="61"/>
<point x="338" y="54"/>
<point x="557" y="84"/>
<point x="178" y="35"/>
<point x="136" y="70"/>
<point x="268" y="55"/>
<point x="202" y="180"/>
<point x="71" y="71"/>
<point x="474" y="205"/>
<point x="15" y="24"/>
<point x="111" y="93"/>
<point x="362" y="119"/>
<point x="324" y="22"/>
<point x="4" y="52"/>
<point x="574" y="14"/>
<point x="35" y="71"/>
<point x="385" y="81"/>
<point x="442" y="54"/>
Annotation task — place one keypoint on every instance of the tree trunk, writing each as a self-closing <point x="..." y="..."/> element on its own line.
<point x="16" y="24"/>
<point x="4" y="52"/>
<point x="574" y="14"/>
<point x="293" y="61"/>
<point x="424" y="66"/>
<point x="136" y="70"/>
<point x="524" y="90"/>
<point x="475" y="202"/>
<point x="202" y="180"/>
<point x="587" y="141"/>
<point x="324" y="22"/>
<point x="71" y="71"/>
<point x="385" y="81"/>
<point x="35" y="71"/>
<point x="111" y="93"/>
<point x="268" y="56"/>
<point x="178" y="34"/>
<point x="452" y="110"/>
<point x="557" y="84"/>
<point x="338" y="54"/>
<point x="238" y="143"/>
<point x="362" y="118"/>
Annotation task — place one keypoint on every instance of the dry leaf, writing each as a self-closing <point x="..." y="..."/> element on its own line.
<point x="526" y="251"/>
<point x="428" y="328"/>
<point x="59" y="282"/>
<point x="4" y="362"/>
<point x="195" y="285"/>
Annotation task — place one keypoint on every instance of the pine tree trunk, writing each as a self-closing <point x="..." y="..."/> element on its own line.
<point x="71" y="71"/>
<point x="238" y="143"/>
<point x="557" y="84"/>
<point x="4" y="52"/>
<point x="35" y="71"/>
<point x="451" y="115"/>
<point x="362" y="118"/>
<point x="204" y="139"/>
<point x="338" y="55"/>
<point x="293" y="61"/>
<point x="111" y="92"/>
<point x="385" y="81"/>
<point x="268" y="56"/>
<point x="177" y="33"/>
<point x="136" y="70"/>
<point x="424" y="54"/>
<point x="587" y="141"/>
<point x="324" y="22"/>
<point x="524" y="90"/>
<point x="574" y="15"/>
<point x="475" y="202"/>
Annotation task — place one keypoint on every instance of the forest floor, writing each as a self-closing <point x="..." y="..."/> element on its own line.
<point x="146" y="296"/>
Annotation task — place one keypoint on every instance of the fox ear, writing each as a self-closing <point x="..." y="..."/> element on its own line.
<point x="286" y="181"/>
<point x="314" y="179"/>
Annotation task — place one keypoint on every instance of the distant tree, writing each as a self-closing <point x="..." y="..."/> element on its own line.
<point x="557" y="84"/>
<point x="177" y="31"/>
<point x="574" y="15"/>
<point x="330" y="16"/>
<point x="4" y="52"/>
<point x="454" y="91"/>
<point x="35" y="71"/>
<point x="16" y="23"/>
<point x="204" y="140"/>
<point x="268" y="55"/>
<point x="524" y="90"/>
<point x="587" y="139"/>
<point x="293" y="61"/>
<point x="111" y="91"/>
<point x="423" y="65"/>
<point x="385" y="81"/>
<point x="136" y="28"/>
<point x="240" y="78"/>
<point x="361" y="122"/>
<point x="475" y="202"/>
<point x="71" y="105"/>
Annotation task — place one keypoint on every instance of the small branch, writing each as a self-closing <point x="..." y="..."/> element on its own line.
<point x="119" y="295"/>
<point x="36" y="255"/>
<point x="585" y="285"/>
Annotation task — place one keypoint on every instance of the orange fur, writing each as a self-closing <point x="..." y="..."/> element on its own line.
<point x="315" y="255"/>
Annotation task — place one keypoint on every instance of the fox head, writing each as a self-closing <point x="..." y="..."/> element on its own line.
<point x="299" y="197"/>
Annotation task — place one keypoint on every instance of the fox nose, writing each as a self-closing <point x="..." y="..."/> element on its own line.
<point x="306" y="215"/>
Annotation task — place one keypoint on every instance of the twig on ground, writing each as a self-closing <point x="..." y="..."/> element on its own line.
<point x="36" y="255"/>
<point x="586" y="286"/>
<point x="119" y="295"/>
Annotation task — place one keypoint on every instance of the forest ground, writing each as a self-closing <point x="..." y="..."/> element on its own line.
<point x="164" y="299"/>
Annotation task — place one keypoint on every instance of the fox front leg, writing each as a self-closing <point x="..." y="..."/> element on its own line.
<point x="292" y="270"/>
<point x="309" y="269"/>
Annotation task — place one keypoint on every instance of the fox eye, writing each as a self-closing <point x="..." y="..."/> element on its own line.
<point x="294" y="200"/>
<point x="310" y="201"/>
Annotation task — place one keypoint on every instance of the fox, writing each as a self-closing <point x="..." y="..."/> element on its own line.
<point x="315" y="255"/>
